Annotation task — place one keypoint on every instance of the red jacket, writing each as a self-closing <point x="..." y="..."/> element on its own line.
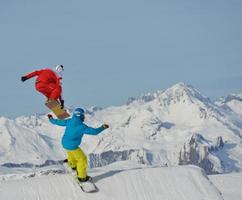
<point x="47" y="82"/>
<point x="46" y="76"/>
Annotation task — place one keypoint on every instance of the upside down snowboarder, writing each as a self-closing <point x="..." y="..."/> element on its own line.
<point x="48" y="82"/>
<point x="72" y="138"/>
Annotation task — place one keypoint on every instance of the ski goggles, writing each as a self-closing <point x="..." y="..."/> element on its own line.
<point x="78" y="113"/>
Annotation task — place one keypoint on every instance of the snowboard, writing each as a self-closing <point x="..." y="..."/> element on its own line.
<point x="87" y="187"/>
<point x="55" y="106"/>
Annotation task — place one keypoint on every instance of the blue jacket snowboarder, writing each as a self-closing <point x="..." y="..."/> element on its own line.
<point x="74" y="131"/>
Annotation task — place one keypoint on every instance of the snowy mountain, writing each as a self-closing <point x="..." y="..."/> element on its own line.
<point x="155" y="128"/>
<point x="177" y="126"/>
<point x="232" y="102"/>
<point x="29" y="140"/>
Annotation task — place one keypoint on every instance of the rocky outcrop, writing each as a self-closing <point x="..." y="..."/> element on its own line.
<point x="220" y="142"/>
<point x="108" y="157"/>
<point x="142" y="156"/>
<point x="199" y="151"/>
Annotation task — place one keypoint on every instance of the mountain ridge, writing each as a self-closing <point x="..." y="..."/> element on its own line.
<point x="151" y="129"/>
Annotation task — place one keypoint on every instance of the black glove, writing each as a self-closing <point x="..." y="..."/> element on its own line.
<point x="24" y="78"/>
<point x="105" y="126"/>
<point x="62" y="103"/>
<point x="49" y="116"/>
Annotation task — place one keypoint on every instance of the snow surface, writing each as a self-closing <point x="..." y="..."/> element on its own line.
<point x="232" y="102"/>
<point x="229" y="185"/>
<point x="121" y="180"/>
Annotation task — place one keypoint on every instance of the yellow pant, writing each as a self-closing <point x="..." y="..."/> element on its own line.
<point x="77" y="158"/>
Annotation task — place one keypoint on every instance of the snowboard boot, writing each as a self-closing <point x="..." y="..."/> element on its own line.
<point x="83" y="180"/>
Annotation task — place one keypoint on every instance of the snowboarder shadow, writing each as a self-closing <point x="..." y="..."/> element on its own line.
<point x="111" y="173"/>
<point x="105" y="175"/>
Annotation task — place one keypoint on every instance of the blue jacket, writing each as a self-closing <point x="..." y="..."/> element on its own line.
<point x="75" y="129"/>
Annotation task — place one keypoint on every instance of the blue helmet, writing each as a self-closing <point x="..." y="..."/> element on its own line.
<point x="79" y="112"/>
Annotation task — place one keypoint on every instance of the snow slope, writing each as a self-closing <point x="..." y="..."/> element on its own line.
<point x="119" y="181"/>
<point x="229" y="185"/>
<point x="232" y="102"/>
<point x="29" y="139"/>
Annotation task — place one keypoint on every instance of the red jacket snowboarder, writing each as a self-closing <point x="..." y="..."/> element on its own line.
<point x="48" y="82"/>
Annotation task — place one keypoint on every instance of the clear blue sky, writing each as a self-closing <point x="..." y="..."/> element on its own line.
<point x="112" y="49"/>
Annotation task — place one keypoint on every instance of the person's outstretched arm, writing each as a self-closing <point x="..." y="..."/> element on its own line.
<point x="57" y="121"/>
<point x="30" y="75"/>
<point x="94" y="131"/>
